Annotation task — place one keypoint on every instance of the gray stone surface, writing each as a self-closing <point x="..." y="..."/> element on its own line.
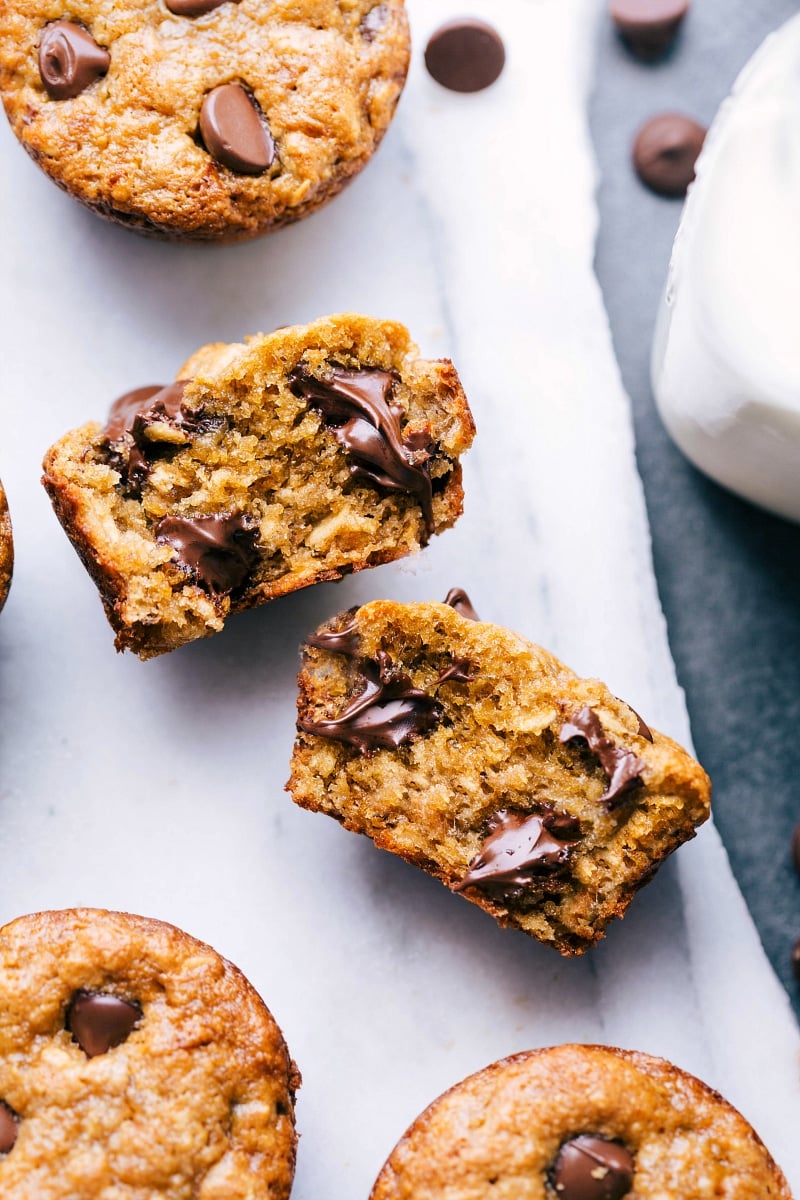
<point x="729" y="574"/>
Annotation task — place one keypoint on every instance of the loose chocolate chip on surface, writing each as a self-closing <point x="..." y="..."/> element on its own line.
<point x="69" y="60"/>
<point x="9" y="1127"/>
<point x="366" y="423"/>
<point x="649" y="27"/>
<point x="234" y="132"/>
<point x="665" y="151"/>
<point x="99" y="1021"/>
<point x="220" y="550"/>
<point x="522" y="847"/>
<point x="796" y="848"/>
<point x="592" y="1168"/>
<point x="194" y="8"/>
<point x="465" y="55"/>
<point x="622" y="766"/>
<point x="458" y="599"/>
<point x="388" y="712"/>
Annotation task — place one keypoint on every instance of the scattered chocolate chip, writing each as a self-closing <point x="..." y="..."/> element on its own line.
<point x="465" y="55"/>
<point x="796" y="960"/>
<point x="458" y="599"/>
<point x="522" y="847"/>
<point x="194" y="8"/>
<point x="69" y="60"/>
<point x="343" y="640"/>
<point x="648" y="27"/>
<point x="796" y="848"/>
<point x="99" y="1021"/>
<point x="592" y="1168"/>
<point x="219" y="550"/>
<point x="9" y="1127"/>
<point x="387" y="713"/>
<point x="366" y="423"/>
<point x="373" y="22"/>
<point x="234" y="131"/>
<point x="622" y="766"/>
<point x="665" y="151"/>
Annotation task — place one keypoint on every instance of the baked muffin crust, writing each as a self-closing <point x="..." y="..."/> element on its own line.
<point x="6" y="548"/>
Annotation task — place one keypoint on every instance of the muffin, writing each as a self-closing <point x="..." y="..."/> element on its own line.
<point x="136" y="1062"/>
<point x="6" y="548"/>
<point x="581" y="1123"/>
<point x="290" y="459"/>
<point x="479" y="757"/>
<point x="204" y="119"/>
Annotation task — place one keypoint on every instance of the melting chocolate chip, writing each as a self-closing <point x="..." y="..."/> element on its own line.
<point x="69" y="60"/>
<point x="194" y="8"/>
<point x="522" y="847"/>
<point x="665" y="151"/>
<point x="220" y="550"/>
<point x="458" y="599"/>
<point x="592" y="1168"/>
<point x="460" y="671"/>
<point x="466" y="55"/>
<point x="148" y="420"/>
<point x="234" y="131"/>
<point x="387" y="713"/>
<point x="623" y="768"/>
<point x="9" y="1127"/>
<point x="648" y="27"/>
<point x="358" y="406"/>
<point x="796" y="848"/>
<point x="99" y="1021"/>
<point x="644" y="730"/>
<point x="343" y="640"/>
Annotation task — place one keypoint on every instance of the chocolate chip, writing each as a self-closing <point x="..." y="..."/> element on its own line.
<point x="155" y="402"/>
<point x="9" y="1127"/>
<point x="343" y="640"/>
<point x="648" y="27"/>
<point x="388" y="712"/>
<point x="458" y="599"/>
<point x="219" y="550"/>
<point x="796" y="848"/>
<point x="592" y="1168"/>
<point x="69" y="60"/>
<point x="234" y="131"/>
<point x="98" y="1021"/>
<point x="359" y="408"/>
<point x="522" y="847"/>
<point x="194" y="8"/>
<point x="146" y="423"/>
<point x="644" y="729"/>
<point x="622" y="766"/>
<point x="665" y="151"/>
<point x="465" y="55"/>
<point x="459" y="671"/>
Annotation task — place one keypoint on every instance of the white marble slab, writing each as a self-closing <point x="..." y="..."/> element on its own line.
<point x="158" y="787"/>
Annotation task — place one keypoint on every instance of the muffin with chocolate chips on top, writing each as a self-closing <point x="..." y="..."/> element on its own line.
<point x="581" y="1123"/>
<point x="294" y="458"/>
<point x="137" y="1063"/>
<point x="479" y="757"/>
<point x="202" y="119"/>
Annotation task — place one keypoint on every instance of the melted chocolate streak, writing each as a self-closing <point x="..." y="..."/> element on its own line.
<point x="458" y="599"/>
<point x="521" y="847"/>
<point x="623" y="767"/>
<point x="357" y="405"/>
<point x="131" y="417"/>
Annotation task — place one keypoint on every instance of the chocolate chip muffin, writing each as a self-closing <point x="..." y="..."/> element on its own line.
<point x="208" y="119"/>
<point x="482" y="759"/>
<point x="6" y="548"/>
<point x="293" y="458"/>
<point x="136" y="1063"/>
<point x="581" y="1123"/>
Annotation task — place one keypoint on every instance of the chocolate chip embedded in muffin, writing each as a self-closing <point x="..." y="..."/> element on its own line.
<point x="580" y="1123"/>
<point x="296" y="458"/>
<point x="203" y="119"/>
<point x="6" y="548"/>
<point x="648" y="27"/>
<point x="482" y="759"/>
<point x="665" y="152"/>
<point x="135" y="1061"/>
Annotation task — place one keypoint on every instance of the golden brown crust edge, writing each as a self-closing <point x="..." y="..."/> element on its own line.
<point x="511" y="1118"/>
<point x="6" y="548"/>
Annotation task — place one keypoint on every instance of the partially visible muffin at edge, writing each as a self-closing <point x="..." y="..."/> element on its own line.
<point x="121" y="105"/>
<point x="6" y="548"/>
<point x="135" y="1061"/>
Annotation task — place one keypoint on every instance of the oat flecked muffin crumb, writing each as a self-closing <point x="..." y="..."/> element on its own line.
<point x="293" y="458"/>
<point x="479" y="757"/>
<point x="6" y="548"/>
<point x="136" y="1063"/>
<point x="581" y="1123"/>
<point x="202" y="119"/>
